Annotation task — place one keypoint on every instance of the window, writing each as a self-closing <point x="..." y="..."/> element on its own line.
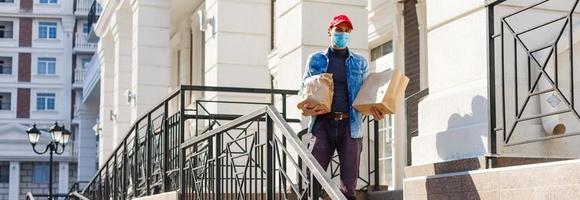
<point x="6" y="29"/>
<point x="5" y="65"/>
<point x="47" y="30"/>
<point x="86" y="28"/>
<point x="49" y="1"/>
<point x="85" y="62"/>
<point x="5" y="99"/>
<point x="6" y="1"/>
<point x="4" y="172"/>
<point x="45" y="101"/>
<point x="40" y="174"/>
<point x="386" y="145"/>
<point x="46" y="66"/>
<point x="381" y="50"/>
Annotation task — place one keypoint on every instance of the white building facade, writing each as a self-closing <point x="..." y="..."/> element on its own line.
<point x="43" y="50"/>
<point x="148" y="48"/>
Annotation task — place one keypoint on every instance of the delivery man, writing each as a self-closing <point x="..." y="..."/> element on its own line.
<point x="339" y="129"/>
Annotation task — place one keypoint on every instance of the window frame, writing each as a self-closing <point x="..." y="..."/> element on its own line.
<point x="47" y="26"/>
<point x="48" y="2"/>
<point x="46" y="68"/>
<point x="45" y="102"/>
<point x="9" y="64"/>
<point x="8" y="100"/>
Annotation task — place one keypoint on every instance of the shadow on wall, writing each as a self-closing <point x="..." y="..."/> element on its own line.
<point x="462" y="140"/>
<point x="464" y="134"/>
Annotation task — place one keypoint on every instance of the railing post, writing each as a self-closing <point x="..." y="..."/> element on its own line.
<point x="147" y="164"/>
<point x="115" y="175"/>
<point x="270" y="176"/>
<point x="492" y="143"/>
<point x="376" y="154"/>
<point x="135" y="159"/>
<point x="181" y="139"/>
<point x="165" y="138"/>
<point x="218" y="172"/>
<point x="125" y="177"/>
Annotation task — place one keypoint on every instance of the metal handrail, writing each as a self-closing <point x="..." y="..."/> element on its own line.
<point x="292" y="139"/>
<point x="29" y="196"/>
<point x="126" y="165"/>
<point x="505" y="121"/>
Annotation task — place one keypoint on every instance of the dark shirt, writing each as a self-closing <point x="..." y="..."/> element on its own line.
<point x="337" y="66"/>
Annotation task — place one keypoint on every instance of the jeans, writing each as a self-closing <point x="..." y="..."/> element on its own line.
<point x="329" y="135"/>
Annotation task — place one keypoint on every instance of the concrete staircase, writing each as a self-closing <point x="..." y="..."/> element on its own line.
<point x="495" y="178"/>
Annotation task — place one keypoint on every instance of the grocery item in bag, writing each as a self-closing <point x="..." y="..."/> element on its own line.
<point x="317" y="92"/>
<point x="381" y="90"/>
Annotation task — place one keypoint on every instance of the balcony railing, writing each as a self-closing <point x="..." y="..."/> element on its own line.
<point x="224" y="155"/>
<point x="83" y="6"/>
<point x="531" y="70"/>
<point x="82" y="42"/>
<point x="94" y="13"/>
<point x="79" y="76"/>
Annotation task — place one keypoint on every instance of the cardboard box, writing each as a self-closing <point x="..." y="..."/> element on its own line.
<point x="317" y="92"/>
<point x="381" y="90"/>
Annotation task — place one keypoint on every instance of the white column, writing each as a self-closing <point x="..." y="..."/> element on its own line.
<point x="237" y="45"/>
<point x="453" y="118"/>
<point x="87" y="149"/>
<point x="68" y="24"/>
<point x="121" y="30"/>
<point x="106" y="53"/>
<point x="400" y="135"/>
<point x="150" y="59"/>
<point x="63" y="177"/>
<point x="14" y="187"/>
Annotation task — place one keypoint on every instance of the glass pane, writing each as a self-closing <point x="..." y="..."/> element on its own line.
<point x="50" y="103"/>
<point x="41" y="67"/>
<point x="51" y="68"/>
<point x="42" y="33"/>
<point x="40" y="103"/>
<point x="387" y="47"/>
<point x="52" y="32"/>
<point x="376" y="53"/>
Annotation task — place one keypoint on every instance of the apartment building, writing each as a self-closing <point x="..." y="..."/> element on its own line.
<point x="43" y="54"/>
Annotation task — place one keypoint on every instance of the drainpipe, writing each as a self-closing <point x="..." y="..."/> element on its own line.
<point x="549" y="103"/>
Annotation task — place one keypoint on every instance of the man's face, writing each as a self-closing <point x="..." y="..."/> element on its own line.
<point x="342" y="27"/>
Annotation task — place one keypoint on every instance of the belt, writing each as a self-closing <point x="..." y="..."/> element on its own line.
<point x="335" y="115"/>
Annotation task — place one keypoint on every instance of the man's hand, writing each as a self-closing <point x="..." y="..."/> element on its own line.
<point x="309" y="110"/>
<point x="377" y="114"/>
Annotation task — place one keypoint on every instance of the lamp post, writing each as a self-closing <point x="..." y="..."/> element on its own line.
<point x="60" y="137"/>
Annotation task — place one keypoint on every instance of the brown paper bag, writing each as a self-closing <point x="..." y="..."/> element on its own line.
<point x="318" y="91"/>
<point x="381" y="90"/>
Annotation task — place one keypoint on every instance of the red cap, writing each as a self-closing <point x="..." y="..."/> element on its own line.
<point x="339" y="19"/>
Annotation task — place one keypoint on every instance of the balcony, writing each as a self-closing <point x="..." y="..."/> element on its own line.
<point x="91" y="79"/>
<point x="82" y="7"/>
<point x="79" y="77"/>
<point x="82" y="43"/>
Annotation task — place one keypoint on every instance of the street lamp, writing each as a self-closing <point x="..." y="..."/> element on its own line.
<point x="60" y="137"/>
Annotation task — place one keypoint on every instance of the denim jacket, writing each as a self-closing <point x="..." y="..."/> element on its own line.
<point x="356" y="71"/>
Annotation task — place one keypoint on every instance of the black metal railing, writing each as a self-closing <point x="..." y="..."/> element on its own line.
<point x="252" y="157"/>
<point x="148" y="160"/>
<point x="178" y="146"/>
<point x="94" y="13"/>
<point x="530" y="53"/>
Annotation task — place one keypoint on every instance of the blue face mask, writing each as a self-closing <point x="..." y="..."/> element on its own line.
<point x="341" y="39"/>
